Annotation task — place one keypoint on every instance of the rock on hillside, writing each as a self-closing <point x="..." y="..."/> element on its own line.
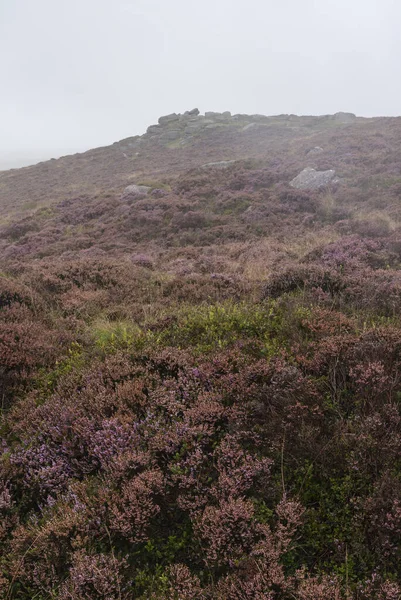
<point x="310" y="179"/>
<point x="344" y="117"/>
<point x="180" y="142"/>
<point x="315" y="150"/>
<point x="135" y="191"/>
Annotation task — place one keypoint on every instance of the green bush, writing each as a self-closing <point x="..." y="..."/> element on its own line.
<point x="209" y="327"/>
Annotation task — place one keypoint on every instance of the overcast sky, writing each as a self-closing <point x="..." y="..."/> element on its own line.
<point x="76" y="74"/>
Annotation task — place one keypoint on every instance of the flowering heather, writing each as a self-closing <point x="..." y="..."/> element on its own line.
<point x="200" y="387"/>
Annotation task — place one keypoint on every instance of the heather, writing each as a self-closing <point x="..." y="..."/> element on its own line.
<point x="201" y="386"/>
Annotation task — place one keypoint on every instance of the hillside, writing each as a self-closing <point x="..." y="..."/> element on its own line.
<point x="200" y="364"/>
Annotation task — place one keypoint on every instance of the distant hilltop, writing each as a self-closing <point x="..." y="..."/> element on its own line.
<point x="176" y="126"/>
<point x="177" y="130"/>
<point x="180" y="142"/>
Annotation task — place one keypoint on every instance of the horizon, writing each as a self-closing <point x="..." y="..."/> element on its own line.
<point x="81" y="75"/>
<point x="21" y="159"/>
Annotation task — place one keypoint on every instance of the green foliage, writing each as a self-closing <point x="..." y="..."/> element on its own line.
<point x="110" y="336"/>
<point x="46" y="381"/>
<point x="210" y="327"/>
<point x="332" y="536"/>
<point x="162" y="427"/>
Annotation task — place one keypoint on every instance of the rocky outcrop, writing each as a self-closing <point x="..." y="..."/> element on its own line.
<point x="132" y="192"/>
<point x="310" y="179"/>
<point x="216" y="115"/>
<point x="171" y="135"/>
<point x="171" y="128"/>
<point x="154" y="129"/>
<point x="178" y="129"/>
<point x="169" y="119"/>
<point x="344" y="117"/>
<point x="192" y="113"/>
<point x="195" y="124"/>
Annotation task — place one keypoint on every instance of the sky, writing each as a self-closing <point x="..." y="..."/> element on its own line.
<point x="77" y="74"/>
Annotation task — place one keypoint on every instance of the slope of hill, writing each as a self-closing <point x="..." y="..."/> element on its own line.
<point x="200" y="364"/>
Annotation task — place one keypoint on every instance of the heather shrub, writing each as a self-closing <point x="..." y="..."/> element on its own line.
<point x="200" y="388"/>
<point x="27" y="344"/>
<point x="178" y="584"/>
<point x="12" y="293"/>
<point x="319" y="589"/>
<point x="299" y="278"/>
<point x="190" y="220"/>
<point x="179" y="425"/>
<point x="353" y="252"/>
<point x="373" y="226"/>
<point x="93" y="576"/>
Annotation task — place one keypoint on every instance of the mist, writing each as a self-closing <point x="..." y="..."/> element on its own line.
<point x="85" y="73"/>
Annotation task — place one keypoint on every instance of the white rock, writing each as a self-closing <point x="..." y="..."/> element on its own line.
<point x="310" y="179"/>
<point x="315" y="150"/>
<point x="135" y="191"/>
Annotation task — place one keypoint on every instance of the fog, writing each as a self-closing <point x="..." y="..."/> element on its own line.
<point x="83" y="73"/>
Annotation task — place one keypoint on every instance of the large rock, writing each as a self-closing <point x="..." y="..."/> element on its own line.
<point x="315" y="150"/>
<point x="168" y="119"/>
<point x="216" y="115"/>
<point x="199" y="121"/>
<point x="344" y="117"/>
<point x="171" y="135"/>
<point x="215" y="126"/>
<point x="154" y="129"/>
<point x="135" y="191"/>
<point x="192" y="113"/>
<point x="310" y="179"/>
<point x="191" y="129"/>
<point x="195" y="124"/>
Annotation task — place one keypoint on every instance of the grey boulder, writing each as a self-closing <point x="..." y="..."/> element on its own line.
<point x="310" y="179"/>
<point x="168" y="119"/>
<point x="344" y="117"/>
<point x="315" y="150"/>
<point x="171" y="135"/>
<point x="154" y="129"/>
<point x="192" y="113"/>
<point x="216" y="115"/>
<point x="135" y="191"/>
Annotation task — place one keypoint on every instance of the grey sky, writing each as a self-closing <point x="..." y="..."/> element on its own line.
<point x="76" y="74"/>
